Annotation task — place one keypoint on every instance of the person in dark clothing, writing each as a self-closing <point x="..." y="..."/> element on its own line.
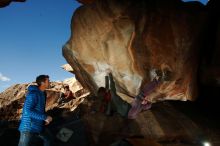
<point x="33" y="115"/>
<point x="105" y="97"/>
<point x="66" y="96"/>
<point x="110" y="101"/>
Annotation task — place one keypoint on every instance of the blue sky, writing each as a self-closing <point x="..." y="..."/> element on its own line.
<point x="31" y="38"/>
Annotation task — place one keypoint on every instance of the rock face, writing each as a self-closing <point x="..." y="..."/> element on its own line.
<point x="11" y="102"/>
<point x="213" y="8"/>
<point x="132" y="39"/>
<point x="68" y="68"/>
<point x="86" y="1"/>
<point x="162" y="123"/>
<point x="4" y="3"/>
<point x="74" y="84"/>
<point x="210" y="65"/>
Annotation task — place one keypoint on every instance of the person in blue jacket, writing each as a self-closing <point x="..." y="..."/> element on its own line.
<point x="33" y="115"/>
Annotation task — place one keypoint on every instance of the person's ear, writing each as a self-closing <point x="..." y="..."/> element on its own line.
<point x="42" y="83"/>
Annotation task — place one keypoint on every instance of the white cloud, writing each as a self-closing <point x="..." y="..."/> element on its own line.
<point x="4" y="78"/>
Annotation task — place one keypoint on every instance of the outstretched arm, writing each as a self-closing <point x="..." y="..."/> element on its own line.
<point x="112" y="83"/>
<point x="106" y="82"/>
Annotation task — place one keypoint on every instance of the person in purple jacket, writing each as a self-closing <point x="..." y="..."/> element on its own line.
<point x="140" y="103"/>
<point x="34" y="117"/>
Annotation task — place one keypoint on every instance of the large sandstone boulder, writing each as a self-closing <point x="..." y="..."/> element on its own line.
<point x="163" y="124"/>
<point x="132" y="39"/>
<point x="86" y="1"/>
<point x="210" y="64"/>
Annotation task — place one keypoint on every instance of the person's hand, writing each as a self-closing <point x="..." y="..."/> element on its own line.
<point x="110" y="75"/>
<point x="108" y="70"/>
<point x="48" y="120"/>
<point x="144" y="101"/>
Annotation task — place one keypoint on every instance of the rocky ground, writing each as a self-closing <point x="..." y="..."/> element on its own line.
<point x="165" y="124"/>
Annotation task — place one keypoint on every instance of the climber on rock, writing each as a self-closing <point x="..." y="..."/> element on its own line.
<point x="141" y="101"/>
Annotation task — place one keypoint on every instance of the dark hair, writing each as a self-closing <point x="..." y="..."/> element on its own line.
<point x="66" y="87"/>
<point x="101" y="90"/>
<point x="41" y="78"/>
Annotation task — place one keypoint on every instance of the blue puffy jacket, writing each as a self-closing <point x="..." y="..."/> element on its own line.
<point x="33" y="114"/>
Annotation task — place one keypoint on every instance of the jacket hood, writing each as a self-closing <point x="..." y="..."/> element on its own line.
<point x="33" y="88"/>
